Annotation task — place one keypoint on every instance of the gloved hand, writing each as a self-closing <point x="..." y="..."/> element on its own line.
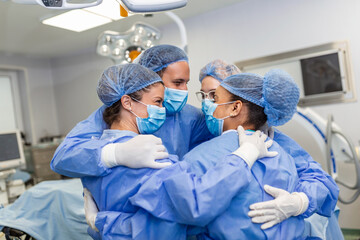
<point x="91" y="210"/>
<point x="139" y="152"/>
<point x="253" y="147"/>
<point x="282" y="207"/>
<point x="268" y="130"/>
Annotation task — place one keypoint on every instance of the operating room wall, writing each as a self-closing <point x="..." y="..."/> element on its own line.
<point x="39" y="111"/>
<point x="76" y="78"/>
<point x="259" y="28"/>
<point x="246" y="30"/>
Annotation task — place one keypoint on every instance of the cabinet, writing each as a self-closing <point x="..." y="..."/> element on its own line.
<point x="41" y="156"/>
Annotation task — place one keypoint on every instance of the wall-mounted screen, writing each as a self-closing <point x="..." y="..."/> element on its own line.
<point x="323" y="73"/>
<point x="11" y="151"/>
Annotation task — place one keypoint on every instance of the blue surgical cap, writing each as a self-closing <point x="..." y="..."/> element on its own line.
<point x="161" y="56"/>
<point x="119" y="80"/>
<point x="219" y="70"/>
<point x="276" y="92"/>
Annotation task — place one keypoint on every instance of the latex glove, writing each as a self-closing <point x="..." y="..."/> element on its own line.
<point x="139" y="152"/>
<point x="253" y="147"/>
<point x="268" y="130"/>
<point x="91" y="210"/>
<point x="282" y="207"/>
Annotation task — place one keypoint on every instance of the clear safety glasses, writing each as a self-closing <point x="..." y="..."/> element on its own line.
<point x="201" y="96"/>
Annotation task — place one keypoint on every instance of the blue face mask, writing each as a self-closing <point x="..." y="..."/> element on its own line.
<point x="215" y="125"/>
<point x="174" y="99"/>
<point x="205" y="105"/>
<point x="154" y="121"/>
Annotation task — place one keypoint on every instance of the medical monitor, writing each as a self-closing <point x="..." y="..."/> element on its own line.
<point x="11" y="150"/>
<point x="323" y="73"/>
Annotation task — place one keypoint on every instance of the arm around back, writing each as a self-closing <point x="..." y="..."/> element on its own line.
<point x="318" y="186"/>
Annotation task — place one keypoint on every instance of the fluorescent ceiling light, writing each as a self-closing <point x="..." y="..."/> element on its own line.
<point x="77" y="20"/>
<point x="108" y="8"/>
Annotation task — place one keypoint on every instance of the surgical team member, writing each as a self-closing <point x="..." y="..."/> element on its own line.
<point x="133" y="95"/>
<point x="210" y="77"/>
<point x="171" y="198"/>
<point x="83" y="154"/>
<point x="320" y="189"/>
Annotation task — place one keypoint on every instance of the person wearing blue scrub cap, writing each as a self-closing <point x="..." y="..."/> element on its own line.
<point x="126" y="90"/>
<point x="313" y="180"/>
<point x="183" y="129"/>
<point x="172" y="195"/>
<point x="210" y="77"/>
<point x="168" y="60"/>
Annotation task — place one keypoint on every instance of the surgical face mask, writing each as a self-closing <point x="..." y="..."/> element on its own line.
<point x="174" y="99"/>
<point x="215" y="125"/>
<point x="205" y="105"/>
<point x="154" y="121"/>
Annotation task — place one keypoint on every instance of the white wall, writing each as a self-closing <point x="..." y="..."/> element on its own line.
<point x="75" y="81"/>
<point x="247" y="30"/>
<point x="36" y="73"/>
<point x="257" y="28"/>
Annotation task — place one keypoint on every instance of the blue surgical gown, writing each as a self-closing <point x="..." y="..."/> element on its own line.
<point x="113" y="193"/>
<point x="174" y="195"/>
<point x="80" y="153"/>
<point x="318" y="186"/>
<point x="234" y="223"/>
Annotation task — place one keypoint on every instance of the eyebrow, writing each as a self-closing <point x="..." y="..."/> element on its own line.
<point x="181" y="80"/>
<point x="157" y="97"/>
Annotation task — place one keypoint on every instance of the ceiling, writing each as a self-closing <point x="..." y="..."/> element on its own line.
<point x="21" y="31"/>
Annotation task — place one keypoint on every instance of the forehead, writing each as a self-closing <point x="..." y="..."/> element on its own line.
<point x="222" y="93"/>
<point x="179" y="69"/>
<point x="209" y="83"/>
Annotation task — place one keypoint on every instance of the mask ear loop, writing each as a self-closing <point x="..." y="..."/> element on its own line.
<point x="138" y="102"/>
<point x="223" y="104"/>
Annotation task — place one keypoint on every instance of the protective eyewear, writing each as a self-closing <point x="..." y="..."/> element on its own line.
<point x="201" y="96"/>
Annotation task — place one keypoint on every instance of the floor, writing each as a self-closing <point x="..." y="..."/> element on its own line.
<point x="350" y="234"/>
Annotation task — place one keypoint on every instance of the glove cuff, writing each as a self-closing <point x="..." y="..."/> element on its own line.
<point x="108" y="155"/>
<point x="304" y="200"/>
<point x="248" y="152"/>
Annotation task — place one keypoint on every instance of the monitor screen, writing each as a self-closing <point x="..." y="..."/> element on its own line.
<point x="9" y="147"/>
<point x="321" y="74"/>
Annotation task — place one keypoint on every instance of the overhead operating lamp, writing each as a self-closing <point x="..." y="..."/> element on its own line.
<point x="146" y="6"/>
<point x="125" y="47"/>
<point x="134" y="6"/>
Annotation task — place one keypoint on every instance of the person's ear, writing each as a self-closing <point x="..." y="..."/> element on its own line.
<point x="126" y="102"/>
<point x="236" y="108"/>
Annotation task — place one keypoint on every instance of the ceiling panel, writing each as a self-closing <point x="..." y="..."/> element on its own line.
<point x="21" y="31"/>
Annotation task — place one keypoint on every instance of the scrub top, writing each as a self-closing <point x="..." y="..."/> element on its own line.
<point x="79" y="154"/>
<point x="114" y="193"/>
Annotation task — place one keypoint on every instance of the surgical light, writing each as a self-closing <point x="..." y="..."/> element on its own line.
<point x="125" y="47"/>
<point x="146" y="6"/>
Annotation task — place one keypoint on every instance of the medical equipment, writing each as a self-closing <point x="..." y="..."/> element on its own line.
<point x="11" y="156"/>
<point x="323" y="72"/>
<point x="327" y="145"/>
<point x="135" y="6"/>
<point x="144" y="6"/>
<point x="125" y="47"/>
<point x="59" y="4"/>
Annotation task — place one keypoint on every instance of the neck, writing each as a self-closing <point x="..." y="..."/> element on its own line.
<point x="125" y="122"/>
<point x="234" y="126"/>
